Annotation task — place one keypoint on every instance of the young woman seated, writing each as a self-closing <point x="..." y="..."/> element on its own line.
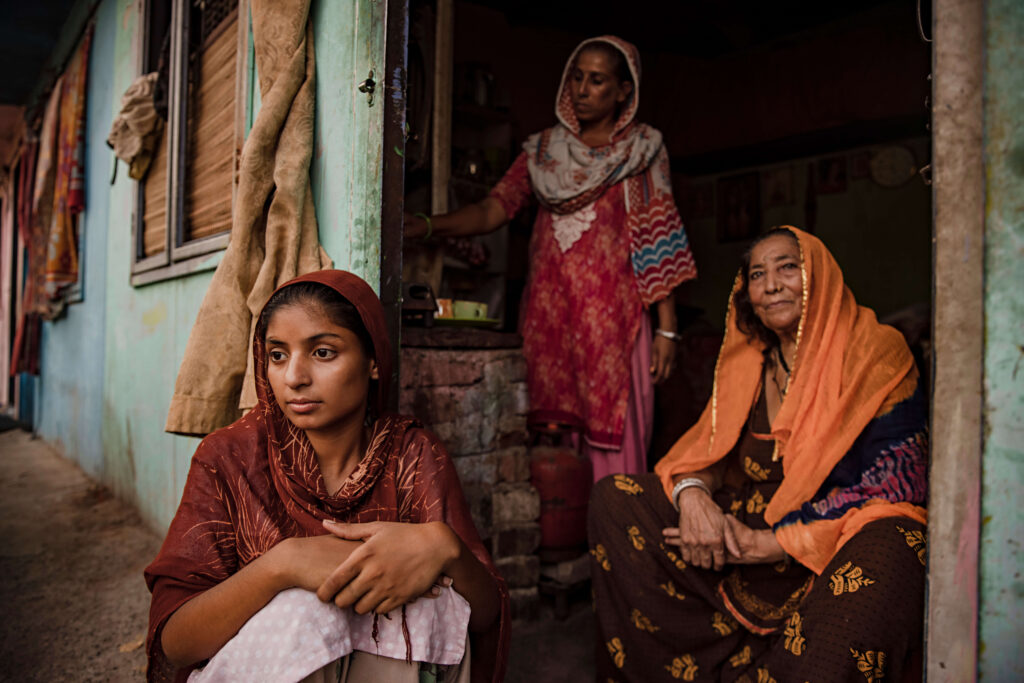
<point x="318" y="489"/>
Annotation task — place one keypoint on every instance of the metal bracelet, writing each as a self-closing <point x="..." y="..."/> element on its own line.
<point x="674" y="336"/>
<point x="429" y="222"/>
<point x="683" y="484"/>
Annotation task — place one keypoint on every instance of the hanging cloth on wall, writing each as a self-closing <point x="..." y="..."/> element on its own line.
<point x="137" y="127"/>
<point x="43" y="194"/>
<point x="69" y="184"/>
<point x="25" y="353"/>
<point x="270" y="243"/>
<point x="37" y="173"/>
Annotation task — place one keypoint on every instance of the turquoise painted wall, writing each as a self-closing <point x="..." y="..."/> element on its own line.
<point x="347" y="164"/>
<point x="70" y="414"/>
<point x="1002" y="587"/>
<point x="146" y="331"/>
<point x="109" y="366"/>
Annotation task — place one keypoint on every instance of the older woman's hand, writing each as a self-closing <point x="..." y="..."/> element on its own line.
<point x="754" y="546"/>
<point x="663" y="358"/>
<point x="704" y="535"/>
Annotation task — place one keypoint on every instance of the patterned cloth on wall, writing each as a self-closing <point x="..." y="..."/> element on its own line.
<point x="25" y="348"/>
<point x="51" y="194"/>
<point x="69" y="183"/>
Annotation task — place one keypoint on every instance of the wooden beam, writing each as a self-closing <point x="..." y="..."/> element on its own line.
<point x="393" y="92"/>
<point x="441" y="146"/>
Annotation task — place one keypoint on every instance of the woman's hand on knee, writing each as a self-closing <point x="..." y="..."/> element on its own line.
<point x="395" y="564"/>
<point x="703" y="536"/>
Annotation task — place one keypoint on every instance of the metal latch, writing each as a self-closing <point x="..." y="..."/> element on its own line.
<point x="368" y="86"/>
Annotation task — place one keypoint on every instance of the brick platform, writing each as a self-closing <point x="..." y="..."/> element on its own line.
<point x="475" y="400"/>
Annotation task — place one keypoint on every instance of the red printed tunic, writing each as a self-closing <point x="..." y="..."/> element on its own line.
<point x="580" y="314"/>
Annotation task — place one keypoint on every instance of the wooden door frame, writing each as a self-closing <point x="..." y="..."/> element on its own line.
<point x="951" y="631"/>
<point x="951" y="626"/>
<point x="393" y="84"/>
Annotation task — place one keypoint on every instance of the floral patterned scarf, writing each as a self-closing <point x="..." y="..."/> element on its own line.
<point x="567" y="175"/>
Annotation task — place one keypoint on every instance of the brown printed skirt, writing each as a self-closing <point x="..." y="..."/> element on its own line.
<point x="662" y="620"/>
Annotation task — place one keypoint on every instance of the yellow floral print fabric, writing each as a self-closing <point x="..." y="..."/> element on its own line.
<point x="916" y="541"/>
<point x="601" y="557"/>
<point x="684" y="668"/>
<point x="628" y="484"/>
<point x="616" y="650"/>
<point x="722" y="624"/>
<point x="754" y="470"/>
<point x="635" y="538"/>
<point x="871" y="663"/>
<point x="794" y="639"/>
<point x="670" y="589"/>
<point x="849" y="578"/>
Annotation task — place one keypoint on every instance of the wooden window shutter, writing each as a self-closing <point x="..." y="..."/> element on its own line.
<point x="154" y="217"/>
<point x="209" y="166"/>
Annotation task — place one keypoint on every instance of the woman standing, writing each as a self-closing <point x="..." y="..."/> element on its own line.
<point x="607" y="244"/>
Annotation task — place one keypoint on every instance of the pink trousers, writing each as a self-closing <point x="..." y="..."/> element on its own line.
<point x="636" y="437"/>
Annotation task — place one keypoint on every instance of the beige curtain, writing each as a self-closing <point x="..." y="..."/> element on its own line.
<point x="273" y="229"/>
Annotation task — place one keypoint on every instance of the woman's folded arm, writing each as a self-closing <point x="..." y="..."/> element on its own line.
<point x="199" y="629"/>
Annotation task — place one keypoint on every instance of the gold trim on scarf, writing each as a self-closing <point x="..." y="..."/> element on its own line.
<point x="718" y="361"/>
<point x="804" y="296"/>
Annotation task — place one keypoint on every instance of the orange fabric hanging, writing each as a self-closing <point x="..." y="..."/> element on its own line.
<point x="848" y="370"/>
<point x="69" y="184"/>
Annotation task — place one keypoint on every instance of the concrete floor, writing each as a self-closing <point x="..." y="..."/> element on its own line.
<point x="71" y="557"/>
<point x="75" y="605"/>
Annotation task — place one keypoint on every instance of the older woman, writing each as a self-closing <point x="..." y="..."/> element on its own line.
<point x="607" y="244"/>
<point x="782" y="538"/>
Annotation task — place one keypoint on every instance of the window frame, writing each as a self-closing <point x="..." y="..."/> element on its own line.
<point x="180" y="256"/>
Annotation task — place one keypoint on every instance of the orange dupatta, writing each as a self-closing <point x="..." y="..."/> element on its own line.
<point x="848" y="370"/>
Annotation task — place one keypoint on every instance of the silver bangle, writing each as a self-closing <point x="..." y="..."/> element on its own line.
<point x="674" y="336"/>
<point x="683" y="484"/>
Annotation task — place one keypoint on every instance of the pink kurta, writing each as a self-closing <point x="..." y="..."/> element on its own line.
<point x="580" y="316"/>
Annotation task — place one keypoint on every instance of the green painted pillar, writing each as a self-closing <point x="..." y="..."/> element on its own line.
<point x="1001" y="605"/>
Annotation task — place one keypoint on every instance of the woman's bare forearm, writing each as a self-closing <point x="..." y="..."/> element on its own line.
<point x="711" y="476"/>
<point x="201" y="627"/>
<point x="666" y="309"/>
<point x="474" y="582"/>
<point x="475" y="219"/>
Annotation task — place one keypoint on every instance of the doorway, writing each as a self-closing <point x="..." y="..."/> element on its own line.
<point x="810" y="114"/>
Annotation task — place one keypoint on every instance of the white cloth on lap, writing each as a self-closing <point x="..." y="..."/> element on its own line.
<point x="295" y="634"/>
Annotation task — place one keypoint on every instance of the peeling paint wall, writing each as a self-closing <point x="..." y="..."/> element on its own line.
<point x="1002" y="587"/>
<point x="109" y="366"/>
<point x="348" y="39"/>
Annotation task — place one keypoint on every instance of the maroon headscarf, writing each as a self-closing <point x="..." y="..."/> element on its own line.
<point x="295" y="469"/>
<point x="258" y="481"/>
<point x="354" y="289"/>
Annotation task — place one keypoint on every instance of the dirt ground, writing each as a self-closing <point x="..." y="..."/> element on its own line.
<point x="75" y="605"/>
<point x="71" y="558"/>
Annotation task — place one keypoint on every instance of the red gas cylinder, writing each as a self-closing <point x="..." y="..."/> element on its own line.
<point x="563" y="478"/>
